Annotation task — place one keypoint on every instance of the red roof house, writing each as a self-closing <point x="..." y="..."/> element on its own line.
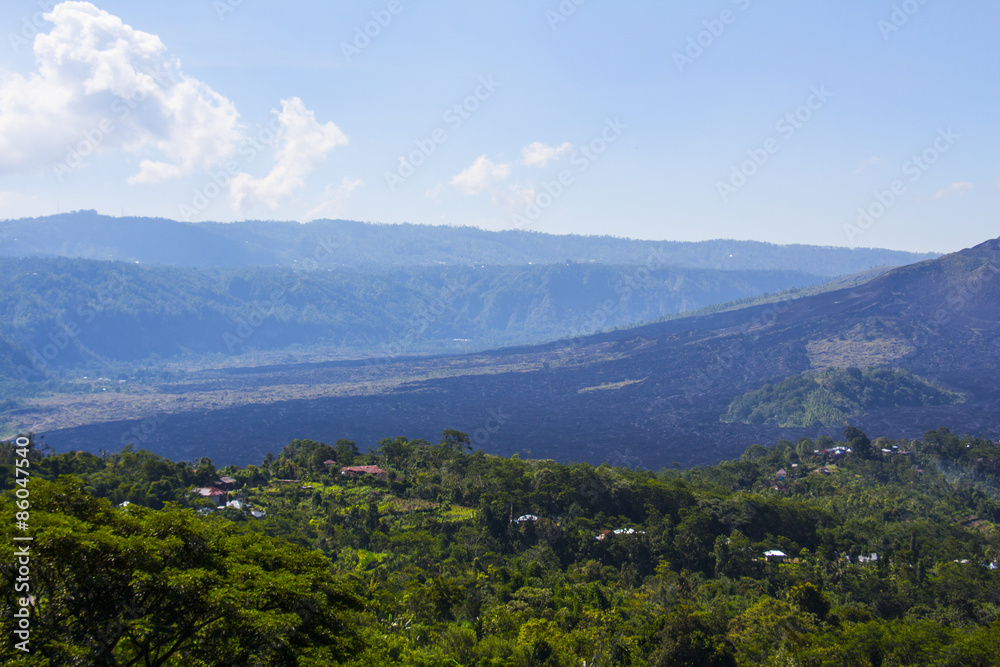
<point x="358" y="471"/>
<point x="212" y="492"/>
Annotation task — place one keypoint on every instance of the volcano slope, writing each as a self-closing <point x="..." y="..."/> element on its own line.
<point x="648" y="396"/>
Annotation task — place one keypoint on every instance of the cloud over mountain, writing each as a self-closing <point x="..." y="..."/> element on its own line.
<point x="479" y="175"/>
<point x="304" y="144"/>
<point x="102" y="86"/>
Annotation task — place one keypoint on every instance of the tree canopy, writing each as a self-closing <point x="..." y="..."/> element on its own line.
<point x="874" y="557"/>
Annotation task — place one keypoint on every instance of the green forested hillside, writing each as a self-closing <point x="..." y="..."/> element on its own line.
<point x="79" y="313"/>
<point x="457" y="557"/>
<point x="833" y="397"/>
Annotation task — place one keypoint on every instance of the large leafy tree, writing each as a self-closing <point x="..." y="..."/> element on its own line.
<point x="858" y="442"/>
<point x="132" y="586"/>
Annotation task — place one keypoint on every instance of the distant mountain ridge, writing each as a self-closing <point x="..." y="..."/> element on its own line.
<point x="338" y="243"/>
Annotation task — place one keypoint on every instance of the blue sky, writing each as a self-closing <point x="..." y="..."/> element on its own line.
<point x="861" y="123"/>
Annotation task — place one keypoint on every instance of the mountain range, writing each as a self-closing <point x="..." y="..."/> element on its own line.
<point x="644" y="396"/>
<point x="326" y="244"/>
<point x="85" y="291"/>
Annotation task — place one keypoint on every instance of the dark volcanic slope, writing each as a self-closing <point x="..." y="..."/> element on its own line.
<point x="652" y="395"/>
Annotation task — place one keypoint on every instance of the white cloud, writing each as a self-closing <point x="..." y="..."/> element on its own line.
<point x="333" y="196"/>
<point x="537" y="154"/>
<point x="10" y="199"/>
<point x="515" y="198"/>
<point x="868" y="162"/>
<point x="434" y="194"/>
<point x="101" y="85"/>
<point x="479" y="175"/>
<point x="954" y="188"/>
<point x="304" y="145"/>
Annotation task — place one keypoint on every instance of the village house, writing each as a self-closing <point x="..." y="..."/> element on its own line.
<point x="362" y="471"/>
<point x="226" y="483"/>
<point x="213" y="492"/>
<point x="604" y="534"/>
<point x="834" y="451"/>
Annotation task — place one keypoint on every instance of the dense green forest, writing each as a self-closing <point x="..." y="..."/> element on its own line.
<point x="59" y="314"/>
<point x="448" y="556"/>
<point x="834" y="396"/>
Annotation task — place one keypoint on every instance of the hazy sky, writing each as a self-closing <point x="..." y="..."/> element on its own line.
<point x="775" y="121"/>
